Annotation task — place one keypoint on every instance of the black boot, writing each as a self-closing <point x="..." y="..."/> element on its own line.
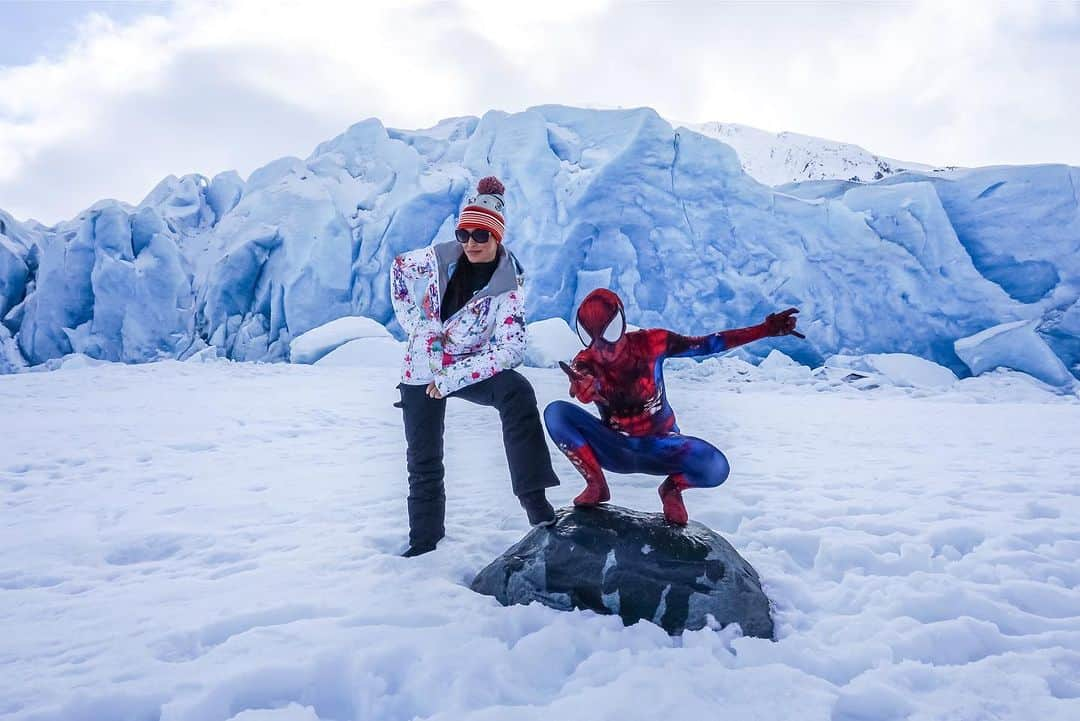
<point x="418" y="550"/>
<point x="537" y="508"/>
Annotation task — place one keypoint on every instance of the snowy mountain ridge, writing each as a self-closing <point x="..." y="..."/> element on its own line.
<point x="787" y="157"/>
<point x="666" y="217"/>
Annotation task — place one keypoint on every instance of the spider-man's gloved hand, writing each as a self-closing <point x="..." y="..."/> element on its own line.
<point x="583" y="385"/>
<point x="782" y="323"/>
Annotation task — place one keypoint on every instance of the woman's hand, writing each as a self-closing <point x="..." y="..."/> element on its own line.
<point x="433" y="392"/>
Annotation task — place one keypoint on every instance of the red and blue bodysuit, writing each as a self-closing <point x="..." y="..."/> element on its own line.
<point x="636" y="432"/>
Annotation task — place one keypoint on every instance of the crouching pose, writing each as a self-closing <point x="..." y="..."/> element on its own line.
<point x="636" y="432"/>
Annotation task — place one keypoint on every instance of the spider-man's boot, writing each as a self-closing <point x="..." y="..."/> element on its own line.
<point x="671" y="495"/>
<point x="596" y="488"/>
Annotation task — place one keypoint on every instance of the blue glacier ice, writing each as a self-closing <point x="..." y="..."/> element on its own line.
<point x="15" y="262"/>
<point x="113" y="285"/>
<point x="1013" y="345"/>
<point x="664" y="216"/>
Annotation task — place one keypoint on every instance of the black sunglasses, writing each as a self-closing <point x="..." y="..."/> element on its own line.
<point x="480" y="235"/>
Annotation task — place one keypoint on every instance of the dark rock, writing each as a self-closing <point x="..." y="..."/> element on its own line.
<point x="612" y="560"/>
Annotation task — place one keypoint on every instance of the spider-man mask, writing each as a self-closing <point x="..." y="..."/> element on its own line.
<point x="601" y="316"/>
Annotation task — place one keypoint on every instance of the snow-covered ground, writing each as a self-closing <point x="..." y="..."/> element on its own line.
<point x="218" y="541"/>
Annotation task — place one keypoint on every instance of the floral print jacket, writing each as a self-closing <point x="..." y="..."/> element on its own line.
<point x="486" y="336"/>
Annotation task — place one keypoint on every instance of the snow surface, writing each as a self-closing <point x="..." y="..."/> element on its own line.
<point x="666" y="217"/>
<point x="218" y="540"/>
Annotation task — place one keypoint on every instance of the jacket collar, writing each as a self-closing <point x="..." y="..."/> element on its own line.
<point x="507" y="275"/>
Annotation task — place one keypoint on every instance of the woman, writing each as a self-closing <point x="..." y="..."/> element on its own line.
<point x="463" y="306"/>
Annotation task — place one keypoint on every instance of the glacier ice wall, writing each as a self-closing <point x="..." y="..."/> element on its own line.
<point x="665" y="217"/>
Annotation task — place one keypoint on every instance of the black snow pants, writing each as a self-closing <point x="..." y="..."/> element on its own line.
<point x="523" y="440"/>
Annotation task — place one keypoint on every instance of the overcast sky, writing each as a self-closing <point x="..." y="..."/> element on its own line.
<point x="102" y="100"/>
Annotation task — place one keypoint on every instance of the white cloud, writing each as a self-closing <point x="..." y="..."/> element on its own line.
<point x="219" y="85"/>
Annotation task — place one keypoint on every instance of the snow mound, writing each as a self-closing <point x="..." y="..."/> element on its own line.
<point x="899" y="369"/>
<point x="80" y="360"/>
<point x="550" y="341"/>
<point x="317" y="342"/>
<point x="207" y="354"/>
<point x="1004" y="385"/>
<point x="71" y="361"/>
<point x="781" y="366"/>
<point x="1013" y="345"/>
<point x="366" y="352"/>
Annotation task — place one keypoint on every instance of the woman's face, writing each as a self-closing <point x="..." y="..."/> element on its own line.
<point x="480" y="252"/>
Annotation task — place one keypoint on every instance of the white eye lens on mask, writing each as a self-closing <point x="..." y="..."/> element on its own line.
<point x="583" y="335"/>
<point x="615" y="328"/>
<point x="612" y="333"/>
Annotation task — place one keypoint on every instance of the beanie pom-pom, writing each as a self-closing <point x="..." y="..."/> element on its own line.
<point x="490" y="186"/>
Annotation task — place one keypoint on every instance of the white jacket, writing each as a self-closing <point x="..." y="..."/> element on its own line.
<point x="485" y="336"/>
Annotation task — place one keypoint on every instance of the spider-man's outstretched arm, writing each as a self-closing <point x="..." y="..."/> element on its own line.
<point x="682" y="346"/>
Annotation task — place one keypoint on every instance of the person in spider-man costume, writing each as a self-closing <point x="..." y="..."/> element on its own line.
<point x="636" y="432"/>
